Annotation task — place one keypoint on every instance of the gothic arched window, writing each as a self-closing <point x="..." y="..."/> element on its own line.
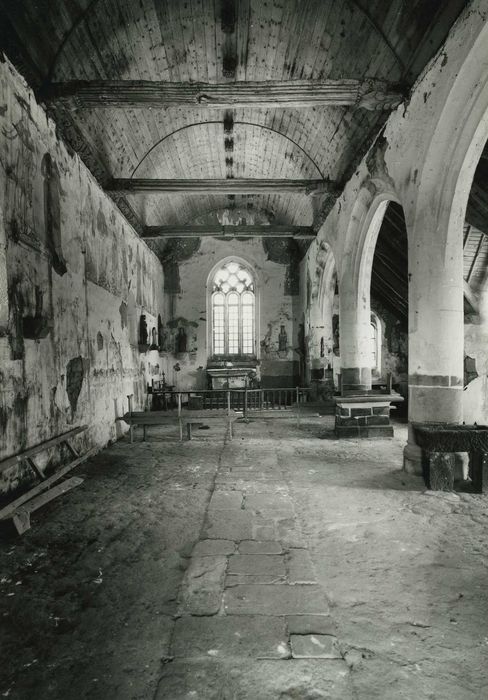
<point x="233" y="310"/>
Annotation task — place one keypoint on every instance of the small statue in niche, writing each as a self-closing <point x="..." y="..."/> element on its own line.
<point x="282" y="340"/>
<point x="335" y="335"/>
<point x="143" y="337"/>
<point x="154" y="344"/>
<point x="181" y="340"/>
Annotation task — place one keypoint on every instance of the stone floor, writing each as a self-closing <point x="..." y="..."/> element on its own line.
<point x="282" y="565"/>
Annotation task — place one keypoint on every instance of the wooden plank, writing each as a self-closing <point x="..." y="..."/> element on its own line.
<point x="248" y="231"/>
<point x="17" y="459"/>
<point x="220" y="186"/>
<point x="11" y="507"/>
<point x="371" y="94"/>
<point x="21" y="516"/>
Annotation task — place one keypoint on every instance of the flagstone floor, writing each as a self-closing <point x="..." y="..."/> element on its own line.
<point x="283" y="565"/>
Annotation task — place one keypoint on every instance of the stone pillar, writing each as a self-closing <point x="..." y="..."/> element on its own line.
<point x="355" y="338"/>
<point x="436" y="332"/>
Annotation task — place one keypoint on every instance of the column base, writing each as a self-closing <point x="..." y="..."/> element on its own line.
<point x="363" y="416"/>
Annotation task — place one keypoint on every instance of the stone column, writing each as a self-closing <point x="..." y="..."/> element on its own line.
<point x="355" y="337"/>
<point x="436" y="332"/>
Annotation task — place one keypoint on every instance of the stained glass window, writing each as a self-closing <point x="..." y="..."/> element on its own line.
<point x="233" y="314"/>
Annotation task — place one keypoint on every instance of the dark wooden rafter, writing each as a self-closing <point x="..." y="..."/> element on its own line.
<point x="220" y="186"/>
<point x="244" y="230"/>
<point x="367" y="94"/>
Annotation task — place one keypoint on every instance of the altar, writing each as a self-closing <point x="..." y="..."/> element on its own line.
<point x="234" y="377"/>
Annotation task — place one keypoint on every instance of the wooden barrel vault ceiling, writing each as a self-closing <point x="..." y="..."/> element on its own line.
<point x="223" y="89"/>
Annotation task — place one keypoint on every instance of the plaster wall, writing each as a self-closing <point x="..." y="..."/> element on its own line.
<point x="277" y="304"/>
<point x="69" y="325"/>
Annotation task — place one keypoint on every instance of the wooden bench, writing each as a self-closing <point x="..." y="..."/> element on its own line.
<point x="188" y="419"/>
<point x="21" y="508"/>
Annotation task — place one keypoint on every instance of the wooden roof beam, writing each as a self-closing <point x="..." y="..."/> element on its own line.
<point x="238" y="230"/>
<point x="370" y="94"/>
<point x="221" y="186"/>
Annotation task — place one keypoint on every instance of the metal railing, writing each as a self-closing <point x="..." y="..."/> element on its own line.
<point x="246" y="400"/>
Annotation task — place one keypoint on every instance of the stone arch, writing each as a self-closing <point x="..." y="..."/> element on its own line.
<point x="354" y="277"/>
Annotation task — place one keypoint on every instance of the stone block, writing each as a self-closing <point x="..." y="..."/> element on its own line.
<point x="311" y="624"/>
<point x="289" y="533"/>
<point x="225" y="636"/>
<point x="226" y="500"/>
<point x="274" y="600"/>
<point x="264" y="532"/>
<point x="260" y="547"/>
<point x="251" y="564"/>
<point x="343" y="411"/>
<point x="229" y="524"/>
<point x="345" y="431"/>
<point x="202" y="586"/>
<point x="206" y="548"/>
<point x="361" y="411"/>
<point x="241" y="579"/>
<point x="377" y="420"/>
<point x="314" y="646"/>
<point x="265" y="502"/>
<point x="300" y="567"/>
<point x="263" y="679"/>
<point x="373" y="431"/>
<point x="381" y="410"/>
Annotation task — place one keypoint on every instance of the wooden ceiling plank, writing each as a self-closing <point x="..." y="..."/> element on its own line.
<point x="157" y="49"/>
<point x="333" y="42"/>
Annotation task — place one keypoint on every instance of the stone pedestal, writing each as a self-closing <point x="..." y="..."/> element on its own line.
<point x="364" y="415"/>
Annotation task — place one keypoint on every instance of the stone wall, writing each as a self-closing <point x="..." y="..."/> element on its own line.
<point x="277" y="301"/>
<point x="77" y="278"/>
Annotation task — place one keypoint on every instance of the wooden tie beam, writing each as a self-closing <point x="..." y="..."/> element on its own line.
<point x="375" y="95"/>
<point x="246" y="231"/>
<point x="138" y="185"/>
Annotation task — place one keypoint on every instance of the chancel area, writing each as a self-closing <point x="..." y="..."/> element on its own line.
<point x="243" y="349"/>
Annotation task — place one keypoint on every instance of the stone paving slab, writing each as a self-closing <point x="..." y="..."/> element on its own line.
<point x="274" y="600"/>
<point x="311" y="624"/>
<point x="232" y="525"/>
<point x="205" y="548"/>
<point x="314" y="646"/>
<point x="289" y="533"/>
<point x="260" y="547"/>
<point x="225" y="636"/>
<point x="226" y="500"/>
<point x="240" y="579"/>
<point x="264" y="532"/>
<point x="201" y="590"/>
<point x="294" y="679"/>
<point x="300" y="567"/>
<point x="271" y="564"/>
<point x="269" y="502"/>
